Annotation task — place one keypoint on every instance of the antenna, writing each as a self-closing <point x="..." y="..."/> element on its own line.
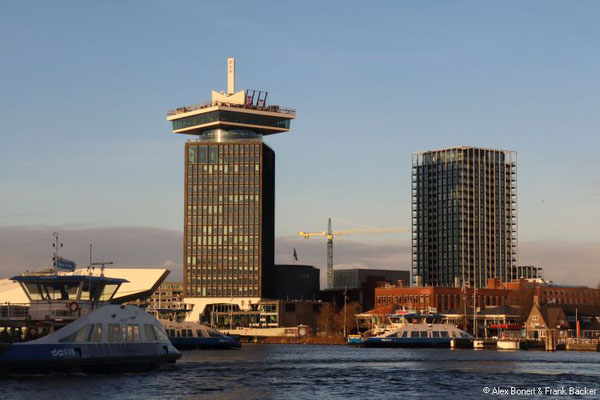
<point x="103" y="265"/>
<point x="230" y="75"/>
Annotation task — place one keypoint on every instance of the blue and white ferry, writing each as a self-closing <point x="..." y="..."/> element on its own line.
<point x="186" y="335"/>
<point x="416" y="330"/>
<point x="70" y="325"/>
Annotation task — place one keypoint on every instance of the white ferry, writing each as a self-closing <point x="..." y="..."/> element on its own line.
<point x="192" y="335"/>
<point x="70" y="325"/>
<point x="416" y="330"/>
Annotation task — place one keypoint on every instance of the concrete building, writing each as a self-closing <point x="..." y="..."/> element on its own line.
<point x="359" y="285"/>
<point x="229" y="204"/>
<point x="296" y="282"/>
<point x="527" y="272"/>
<point x="168" y="295"/>
<point x="464" y="216"/>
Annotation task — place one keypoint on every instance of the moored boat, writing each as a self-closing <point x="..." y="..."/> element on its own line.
<point x="186" y="335"/>
<point x="417" y="330"/>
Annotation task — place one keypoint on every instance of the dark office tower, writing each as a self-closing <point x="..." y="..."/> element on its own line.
<point x="229" y="210"/>
<point x="464" y="216"/>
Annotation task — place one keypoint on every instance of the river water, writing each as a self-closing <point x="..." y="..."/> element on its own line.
<point x="260" y="371"/>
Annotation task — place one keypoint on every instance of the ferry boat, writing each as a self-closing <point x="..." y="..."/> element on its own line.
<point x="70" y="325"/>
<point x="192" y="335"/>
<point x="417" y="330"/>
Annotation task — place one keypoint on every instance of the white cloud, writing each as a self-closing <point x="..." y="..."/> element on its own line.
<point x="30" y="247"/>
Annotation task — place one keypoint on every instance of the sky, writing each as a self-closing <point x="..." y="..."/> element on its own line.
<point x="86" y="149"/>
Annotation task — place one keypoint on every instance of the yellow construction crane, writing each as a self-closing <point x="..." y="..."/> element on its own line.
<point x="330" y="233"/>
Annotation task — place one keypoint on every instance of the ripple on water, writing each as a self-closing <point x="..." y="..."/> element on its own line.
<point x="301" y="371"/>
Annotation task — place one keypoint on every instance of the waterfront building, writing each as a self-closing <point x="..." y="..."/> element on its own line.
<point x="442" y="299"/>
<point x="229" y="201"/>
<point x="359" y="284"/>
<point x="168" y="295"/>
<point x="562" y="319"/>
<point x="563" y="294"/>
<point x="296" y="282"/>
<point x="464" y="216"/>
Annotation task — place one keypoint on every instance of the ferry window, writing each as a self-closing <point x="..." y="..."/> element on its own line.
<point x="108" y="291"/>
<point x="189" y="333"/>
<point x="96" y="333"/>
<point x="114" y="333"/>
<point x="130" y="333"/>
<point x="34" y="291"/>
<point x="436" y="334"/>
<point x="149" y="333"/>
<point x="89" y="291"/>
<point x="178" y="333"/>
<point x="201" y="333"/>
<point x="423" y="333"/>
<point x="136" y="333"/>
<point x="123" y="333"/>
<point x="405" y="334"/>
<point x="79" y="336"/>
<point x="444" y="334"/>
<point x="414" y="334"/>
<point x="160" y="334"/>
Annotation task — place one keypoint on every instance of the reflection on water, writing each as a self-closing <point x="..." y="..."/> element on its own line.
<point x="297" y="371"/>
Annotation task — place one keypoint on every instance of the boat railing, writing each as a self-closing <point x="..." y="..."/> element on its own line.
<point x="14" y="311"/>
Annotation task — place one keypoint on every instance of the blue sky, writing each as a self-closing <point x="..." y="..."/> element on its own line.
<point x="86" y="86"/>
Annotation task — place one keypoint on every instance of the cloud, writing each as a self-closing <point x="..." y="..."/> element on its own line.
<point x="30" y="247"/>
<point x="564" y="262"/>
<point x="381" y="254"/>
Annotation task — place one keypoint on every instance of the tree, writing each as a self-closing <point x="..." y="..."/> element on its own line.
<point x="325" y="320"/>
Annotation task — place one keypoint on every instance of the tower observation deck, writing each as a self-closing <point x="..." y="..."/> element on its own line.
<point x="246" y="109"/>
<point x="229" y="196"/>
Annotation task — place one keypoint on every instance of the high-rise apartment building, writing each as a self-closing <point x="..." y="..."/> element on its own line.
<point x="229" y="205"/>
<point x="464" y="216"/>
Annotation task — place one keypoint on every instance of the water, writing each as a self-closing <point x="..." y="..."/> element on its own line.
<point x="325" y="372"/>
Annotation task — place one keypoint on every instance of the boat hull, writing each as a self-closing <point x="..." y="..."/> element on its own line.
<point x="101" y="357"/>
<point x="444" y="343"/>
<point x="508" y="345"/>
<point x="188" y="343"/>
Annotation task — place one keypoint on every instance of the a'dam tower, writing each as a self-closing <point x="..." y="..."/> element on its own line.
<point x="229" y="202"/>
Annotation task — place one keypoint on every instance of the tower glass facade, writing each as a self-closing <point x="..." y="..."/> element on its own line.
<point x="464" y="216"/>
<point x="229" y="215"/>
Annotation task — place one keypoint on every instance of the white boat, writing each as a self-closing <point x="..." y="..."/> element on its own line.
<point x="70" y="325"/>
<point x="417" y="330"/>
<point x="508" y="344"/>
<point x="192" y="335"/>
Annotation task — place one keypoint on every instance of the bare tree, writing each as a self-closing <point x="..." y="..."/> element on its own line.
<point x="325" y="320"/>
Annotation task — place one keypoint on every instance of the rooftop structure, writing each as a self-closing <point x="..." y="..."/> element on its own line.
<point x="246" y="109"/>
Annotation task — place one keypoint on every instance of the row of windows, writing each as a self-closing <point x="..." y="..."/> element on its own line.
<point x="94" y="333"/>
<point x="231" y="199"/>
<point x="231" y="116"/>
<point x="207" y="291"/>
